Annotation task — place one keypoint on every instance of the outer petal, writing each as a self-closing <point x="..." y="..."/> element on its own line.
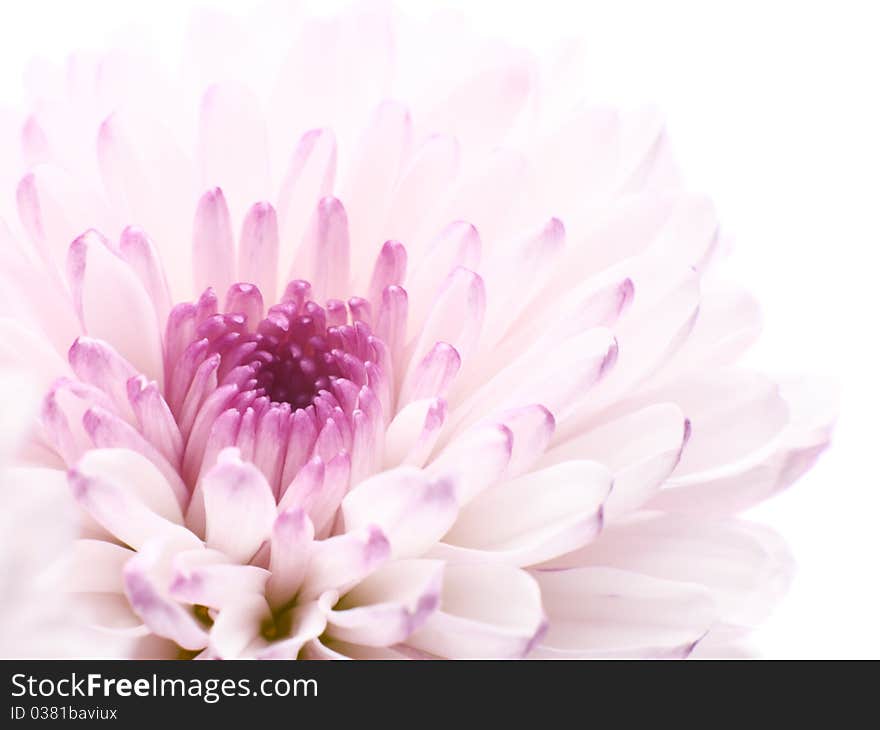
<point x="239" y="507"/>
<point x="390" y="604"/>
<point x="533" y="518"/>
<point x="486" y="611"/>
<point x="412" y="510"/>
<point x="98" y="276"/>
<point x="603" y="612"/>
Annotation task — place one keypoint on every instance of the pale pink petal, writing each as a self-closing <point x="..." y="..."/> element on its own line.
<point x="164" y="616"/>
<point x="310" y="176"/>
<point x="205" y="578"/>
<point x="603" y="612"/>
<point x="213" y="246"/>
<point x="474" y="460"/>
<point x="410" y="508"/>
<point x="155" y="419"/>
<point x="486" y="612"/>
<point x="239" y="507"/>
<point x="233" y="151"/>
<point x="108" y="431"/>
<point x="389" y="605"/>
<point x="746" y="567"/>
<point x="533" y="518"/>
<point x="413" y="432"/>
<point x="258" y="249"/>
<point x="340" y="562"/>
<point x="97" y="276"/>
<point x="143" y="258"/>
<point x="430" y="174"/>
<point x="457" y="245"/>
<point x="641" y="448"/>
<point x="456" y="317"/>
<point x="431" y="377"/>
<point x="99" y="364"/>
<point x="292" y="536"/>
<point x="383" y="148"/>
<point x="237" y="626"/>
<point x="390" y="269"/>
<point x="323" y="257"/>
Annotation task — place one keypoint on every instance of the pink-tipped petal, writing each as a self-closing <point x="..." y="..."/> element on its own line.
<point x="239" y="507"/>
<point x="258" y="249"/>
<point x="412" y="510"/>
<point x="213" y="245"/>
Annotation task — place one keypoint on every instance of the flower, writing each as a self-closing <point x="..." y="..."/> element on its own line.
<point x="406" y="355"/>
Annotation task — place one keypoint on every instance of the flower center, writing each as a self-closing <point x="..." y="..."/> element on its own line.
<point x="297" y="382"/>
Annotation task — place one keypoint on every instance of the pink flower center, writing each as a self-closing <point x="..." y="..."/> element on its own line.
<point x="304" y="381"/>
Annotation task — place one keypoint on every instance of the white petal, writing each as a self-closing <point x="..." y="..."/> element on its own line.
<point x="746" y="567"/>
<point x="164" y="616"/>
<point x="532" y="518"/>
<point x="474" y="460"/>
<point x="258" y="250"/>
<point x="390" y="604"/>
<point x="232" y="145"/>
<point x="206" y="578"/>
<point x="239" y="507"/>
<point x="340" y="562"/>
<point x="486" y="612"/>
<point x="412" y="433"/>
<point x="413" y="510"/>
<point x="602" y="612"/>
<point x="127" y="495"/>
<point x="641" y="449"/>
<point x="98" y="277"/>
<point x="292" y="536"/>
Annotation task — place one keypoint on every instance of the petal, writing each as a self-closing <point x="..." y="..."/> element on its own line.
<point x="237" y="626"/>
<point x="292" y="536"/>
<point x="410" y="508"/>
<point x="310" y="176"/>
<point x="387" y="606"/>
<point x="154" y="418"/>
<point x="457" y="246"/>
<point x="456" y="316"/>
<point x="258" y="250"/>
<point x="474" y="460"/>
<point x="127" y="495"/>
<point x="233" y="152"/>
<point x="755" y="439"/>
<point x="390" y="269"/>
<point x="486" y="611"/>
<point x="164" y="616"/>
<point x="746" y="567"/>
<point x="433" y="376"/>
<point x="323" y="258"/>
<point x="533" y="518"/>
<point x="340" y="562"/>
<point x="603" y="612"/>
<point x="213" y="246"/>
<point x="412" y="433"/>
<point x="381" y="152"/>
<point x="641" y="448"/>
<point x="98" y="276"/>
<point x="558" y="378"/>
<point x="141" y="255"/>
<point x="98" y="364"/>
<point x="205" y="578"/>
<point x="515" y="273"/>
<point x="422" y="185"/>
<point x="108" y="431"/>
<point x="239" y="507"/>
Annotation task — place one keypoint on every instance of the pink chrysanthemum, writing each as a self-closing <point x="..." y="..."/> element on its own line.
<point x="394" y="352"/>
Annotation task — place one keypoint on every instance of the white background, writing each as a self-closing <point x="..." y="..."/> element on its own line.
<point x="773" y="108"/>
